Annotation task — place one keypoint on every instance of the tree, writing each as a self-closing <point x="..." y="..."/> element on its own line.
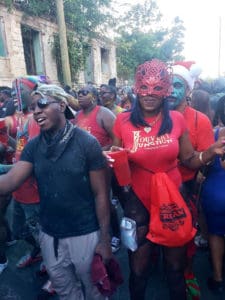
<point x="141" y="38"/>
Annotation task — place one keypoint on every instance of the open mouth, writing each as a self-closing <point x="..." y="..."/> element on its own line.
<point x="40" y="121"/>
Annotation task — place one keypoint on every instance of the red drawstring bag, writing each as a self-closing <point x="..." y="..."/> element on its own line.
<point x="171" y="221"/>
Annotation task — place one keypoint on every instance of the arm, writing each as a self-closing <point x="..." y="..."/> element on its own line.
<point x="73" y="103"/>
<point x="98" y="182"/>
<point x="106" y="120"/>
<point x="204" y="133"/>
<point x="15" y="177"/>
<point x="117" y="142"/>
<point x="195" y="160"/>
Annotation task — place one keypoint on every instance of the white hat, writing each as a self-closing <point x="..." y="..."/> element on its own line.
<point x="188" y="74"/>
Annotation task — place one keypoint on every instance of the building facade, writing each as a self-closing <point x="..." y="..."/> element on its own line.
<point x="26" y="49"/>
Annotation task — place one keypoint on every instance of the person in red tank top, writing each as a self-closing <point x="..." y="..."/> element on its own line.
<point x="95" y="119"/>
<point x="26" y="197"/>
<point x="154" y="139"/>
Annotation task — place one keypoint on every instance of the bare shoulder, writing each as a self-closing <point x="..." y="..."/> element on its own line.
<point x="106" y="113"/>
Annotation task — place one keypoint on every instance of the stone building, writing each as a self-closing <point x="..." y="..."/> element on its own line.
<point x="26" y="49"/>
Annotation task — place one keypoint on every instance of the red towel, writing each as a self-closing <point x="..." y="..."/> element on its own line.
<point x="106" y="277"/>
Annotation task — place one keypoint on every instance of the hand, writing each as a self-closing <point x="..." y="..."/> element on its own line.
<point x="104" y="249"/>
<point x="116" y="148"/>
<point x="219" y="146"/>
<point x="109" y="159"/>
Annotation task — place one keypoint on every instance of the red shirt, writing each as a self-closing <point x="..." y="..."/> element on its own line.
<point x="147" y="151"/>
<point x="200" y="133"/>
<point x="27" y="193"/>
<point x="89" y="123"/>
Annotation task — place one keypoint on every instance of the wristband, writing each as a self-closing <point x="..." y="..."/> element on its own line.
<point x="200" y="157"/>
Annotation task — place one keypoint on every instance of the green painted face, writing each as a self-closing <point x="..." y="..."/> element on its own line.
<point x="178" y="93"/>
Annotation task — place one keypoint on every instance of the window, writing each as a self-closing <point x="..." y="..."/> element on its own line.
<point x="104" y="60"/>
<point x="32" y="50"/>
<point x="3" y="51"/>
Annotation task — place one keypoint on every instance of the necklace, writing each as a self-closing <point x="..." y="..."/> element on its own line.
<point x="148" y="128"/>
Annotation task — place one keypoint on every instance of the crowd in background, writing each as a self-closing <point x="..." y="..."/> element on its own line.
<point x="188" y="113"/>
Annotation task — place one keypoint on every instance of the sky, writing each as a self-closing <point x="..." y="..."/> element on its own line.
<point x="202" y="20"/>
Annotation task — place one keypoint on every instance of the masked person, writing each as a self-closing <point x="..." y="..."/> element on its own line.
<point x="69" y="167"/>
<point x="201" y="137"/>
<point x="154" y="138"/>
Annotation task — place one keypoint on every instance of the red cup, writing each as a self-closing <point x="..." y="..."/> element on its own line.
<point x="121" y="167"/>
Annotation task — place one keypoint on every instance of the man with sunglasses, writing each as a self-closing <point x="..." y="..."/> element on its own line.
<point x="95" y="119"/>
<point x="108" y="97"/>
<point x="69" y="167"/>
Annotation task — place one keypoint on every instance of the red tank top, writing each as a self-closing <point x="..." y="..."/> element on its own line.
<point x="90" y="124"/>
<point x="27" y="193"/>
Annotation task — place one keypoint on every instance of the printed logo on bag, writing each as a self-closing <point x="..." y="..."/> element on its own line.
<point x="172" y="216"/>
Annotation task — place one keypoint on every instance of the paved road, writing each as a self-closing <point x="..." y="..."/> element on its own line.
<point x="24" y="285"/>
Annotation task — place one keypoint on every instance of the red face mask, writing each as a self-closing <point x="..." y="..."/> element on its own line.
<point x="153" y="78"/>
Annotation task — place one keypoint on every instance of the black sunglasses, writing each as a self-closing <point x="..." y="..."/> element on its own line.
<point x="103" y="93"/>
<point x="83" y="92"/>
<point x="42" y="103"/>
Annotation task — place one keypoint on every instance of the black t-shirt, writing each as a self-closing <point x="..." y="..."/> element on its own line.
<point x="67" y="203"/>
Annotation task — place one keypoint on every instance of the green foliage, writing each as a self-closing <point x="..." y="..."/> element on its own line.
<point x="78" y="52"/>
<point x="139" y="17"/>
<point x="141" y="39"/>
<point x="34" y="7"/>
<point x="86" y="17"/>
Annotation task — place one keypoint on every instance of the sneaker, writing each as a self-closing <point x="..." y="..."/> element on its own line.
<point x="27" y="260"/>
<point x="215" y="286"/>
<point x="115" y="244"/>
<point x="47" y="287"/>
<point x="3" y="266"/>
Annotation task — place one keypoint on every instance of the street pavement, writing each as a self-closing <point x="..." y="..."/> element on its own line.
<point x="23" y="284"/>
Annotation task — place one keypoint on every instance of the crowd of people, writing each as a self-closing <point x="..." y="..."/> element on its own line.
<point x="58" y="175"/>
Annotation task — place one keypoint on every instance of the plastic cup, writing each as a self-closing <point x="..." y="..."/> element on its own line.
<point x="121" y="167"/>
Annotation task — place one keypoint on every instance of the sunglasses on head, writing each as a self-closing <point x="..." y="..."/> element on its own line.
<point x="83" y="92"/>
<point x="42" y="103"/>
